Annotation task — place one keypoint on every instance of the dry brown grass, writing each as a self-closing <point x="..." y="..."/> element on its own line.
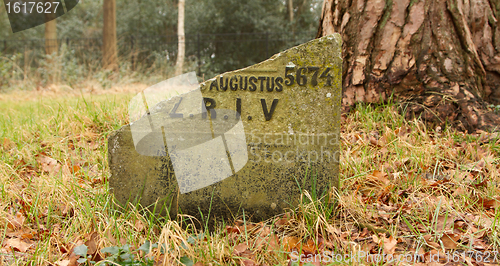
<point x="406" y="189"/>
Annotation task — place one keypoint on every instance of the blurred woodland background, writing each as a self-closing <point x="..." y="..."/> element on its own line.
<point x="220" y="36"/>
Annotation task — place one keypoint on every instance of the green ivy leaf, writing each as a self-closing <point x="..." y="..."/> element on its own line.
<point x="126" y="256"/>
<point x="110" y="250"/>
<point x="186" y="261"/>
<point x="193" y="239"/>
<point x="145" y="247"/>
<point x="81" y="251"/>
<point x="125" y="248"/>
<point x="163" y="248"/>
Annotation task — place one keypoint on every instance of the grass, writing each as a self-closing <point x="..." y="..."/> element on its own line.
<point x="405" y="188"/>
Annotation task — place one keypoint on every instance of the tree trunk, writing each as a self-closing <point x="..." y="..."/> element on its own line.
<point x="109" y="50"/>
<point x="441" y="59"/>
<point x="182" y="40"/>
<point x="51" y="45"/>
<point x="291" y="15"/>
<point x="51" y="37"/>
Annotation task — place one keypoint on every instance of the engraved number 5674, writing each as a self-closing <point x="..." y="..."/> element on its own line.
<point x="301" y="77"/>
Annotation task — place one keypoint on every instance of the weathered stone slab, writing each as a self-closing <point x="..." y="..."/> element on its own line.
<point x="249" y="140"/>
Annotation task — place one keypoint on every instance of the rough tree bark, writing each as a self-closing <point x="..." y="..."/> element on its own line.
<point x="109" y="50"/>
<point x="181" y="39"/>
<point x="441" y="59"/>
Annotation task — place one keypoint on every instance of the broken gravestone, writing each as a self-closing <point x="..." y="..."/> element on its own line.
<point x="250" y="141"/>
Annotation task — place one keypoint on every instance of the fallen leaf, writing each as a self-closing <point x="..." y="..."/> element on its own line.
<point x="483" y="183"/>
<point x="17" y="244"/>
<point x="7" y="144"/>
<point x="364" y="232"/>
<point x="487" y="137"/>
<point x="71" y="145"/>
<point x="66" y="209"/>
<point x="290" y="242"/>
<point x="49" y="165"/>
<point x="266" y="241"/>
<point x="480" y="244"/>
<point x="75" y="169"/>
<point x="248" y="262"/>
<point x="443" y="222"/>
<point x="73" y="259"/>
<point x="15" y="222"/>
<point x="23" y="233"/>
<point x="389" y="244"/>
<point x="490" y="203"/>
<point x="459" y="191"/>
<point x="240" y="249"/>
<point x="93" y="171"/>
<point x="450" y="240"/>
<point x="249" y="226"/>
<point x="460" y="226"/>
<point x="139" y="226"/>
<point x="273" y="243"/>
<point x="281" y="222"/>
<point x="111" y="239"/>
<point x="381" y="176"/>
<point x="483" y="221"/>
<point x="374" y="184"/>
<point x="403" y="131"/>
<point x="374" y="141"/>
<point x="263" y="231"/>
<point x="430" y="242"/>
<point x="91" y="244"/>
<point x="309" y="248"/>
<point x="232" y="229"/>
<point x="476" y="166"/>
<point x="62" y="262"/>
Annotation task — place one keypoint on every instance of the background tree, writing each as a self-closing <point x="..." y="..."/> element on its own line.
<point x="149" y="27"/>
<point x="181" y="39"/>
<point x="440" y="58"/>
<point x="51" y="37"/>
<point x="224" y="17"/>
<point x="109" y="49"/>
<point x="147" y="18"/>
<point x="50" y="34"/>
<point x="51" y="45"/>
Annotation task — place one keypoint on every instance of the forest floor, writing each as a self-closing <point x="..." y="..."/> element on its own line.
<point x="409" y="195"/>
